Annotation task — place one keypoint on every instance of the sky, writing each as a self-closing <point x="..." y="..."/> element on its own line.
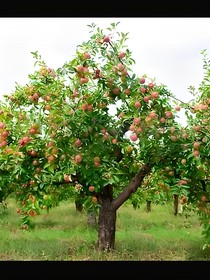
<point x="167" y="49"/>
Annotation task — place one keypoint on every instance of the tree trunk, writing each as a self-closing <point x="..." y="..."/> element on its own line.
<point x="176" y="204"/>
<point x="148" y="206"/>
<point x="107" y="221"/>
<point x="78" y="205"/>
<point x="108" y="209"/>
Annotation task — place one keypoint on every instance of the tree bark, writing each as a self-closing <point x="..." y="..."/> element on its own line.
<point x="148" y="206"/>
<point x="107" y="220"/>
<point x="108" y="209"/>
<point x="78" y="205"/>
<point x="176" y="203"/>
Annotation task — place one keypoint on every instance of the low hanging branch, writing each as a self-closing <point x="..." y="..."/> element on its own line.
<point x="132" y="187"/>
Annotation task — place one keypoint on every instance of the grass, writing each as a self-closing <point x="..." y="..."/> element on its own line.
<point x="63" y="234"/>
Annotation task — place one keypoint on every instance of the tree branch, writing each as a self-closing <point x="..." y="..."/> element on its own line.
<point x="132" y="187"/>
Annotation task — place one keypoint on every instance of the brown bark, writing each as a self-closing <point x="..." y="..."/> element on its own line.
<point x="79" y="206"/>
<point x="176" y="203"/>
<point x="148" y="206"/>
<point x="107" y="220"/>
<point x="108" y="209"/>
<point x="132" y="187"/>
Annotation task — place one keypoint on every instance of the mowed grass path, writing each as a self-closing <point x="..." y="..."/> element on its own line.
<point x="63" y="234"/>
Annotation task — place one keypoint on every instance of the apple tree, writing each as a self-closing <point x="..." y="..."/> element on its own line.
<point x="199" y="123"/>
<point x="70" y="143"/>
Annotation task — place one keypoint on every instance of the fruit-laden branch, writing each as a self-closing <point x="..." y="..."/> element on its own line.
<point x="132" y="187"/>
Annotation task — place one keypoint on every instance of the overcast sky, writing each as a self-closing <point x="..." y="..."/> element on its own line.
<point x="167" y="49"/>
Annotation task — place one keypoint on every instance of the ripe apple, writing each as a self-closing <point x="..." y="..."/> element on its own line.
<point x="132" y="127"/>
<point x="32" y="130"/>
<point x="142" y="89"/>
<point x="32" y="213"/>
<point x="3" y="144"/>
<point x="184" y="135"/>
<point x="154" y="94"/>
<point x="151" y="85"/>
<point x="80" y="68"/>
<point x="35" y="162"/>
<point x="204" y="198"/>
<point x="67" y="178"/>
<point x="127" y="91"/>
<point x="86" y="55"/>
<point x="94" y="199"/>
<point x="47" y="98"/>
<point x="90" y="107"/>
<point x="133" y="137"/>
<point x="137" y="104"/>
<point x="91" y="188"/>
<point x="168" y="114"/>
<point x="51" y="158"/>
<point x="162" y="120"/>
<point x="137" y="121"/>
<point x="5" y="134"/>
<point x="78" y="158"/>
<point x="152" y="115"/>
<point x="120" y="66"/>
<point x="196" y="153"/>
<point x="146" y="98"/>
<point x="121" y="54"/>
<point x="177" y="108"/>
<point x="114" y="141"/>
<point x="47" y="107"/>
<point x="172" y="129"/>
<point x="97" y="163"/>
<point x="116" y="90"/>
<point x="124" y="73"/>
<point x="78" y="142"/>
<point x="35" y="96"/>
<point x="84" y="80"/>
<point x="174" y="138"/>
<point x="197" y="128"/>
<point x="38" y="169"/>
<point x="26" y="139"/>
<point x="138" y="130"/>
<point x="142" y="80"/>
<point x="106" y="39"/>
<point x="196" y="145"/>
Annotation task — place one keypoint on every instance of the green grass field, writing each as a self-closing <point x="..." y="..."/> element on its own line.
<point x="64" y="234"/>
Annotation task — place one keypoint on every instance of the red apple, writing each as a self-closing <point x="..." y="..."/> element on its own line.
<point x="137" y="104"/>
<point x="142" y="80"/>
<point x="86" y="55"/>
<point x="122" y="54"/>
<point x="91" y="188"/>
<point x="78" y="142"/>
<point x="106" y="39"/>
<point x="67" y="178"/>
<point x="78" y="158"/>
<point x="133" y="137"/>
